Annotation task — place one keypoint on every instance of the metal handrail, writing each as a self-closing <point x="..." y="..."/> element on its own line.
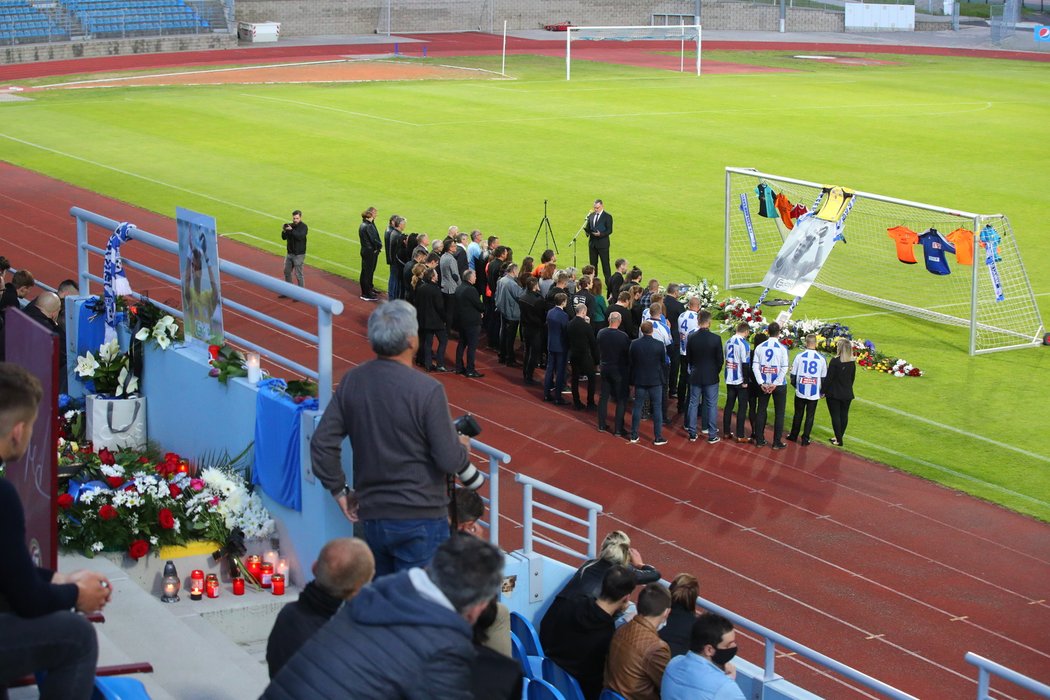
<point x="987" y="668"/>
<point x="592" y="508"/>
<point x="495" y="457"/>
<point x="326" y="307"/>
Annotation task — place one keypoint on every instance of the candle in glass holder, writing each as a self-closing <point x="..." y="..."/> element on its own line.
<point x="212" y="586"/>
<point x="282" y="568"/>
<point x="183" y="467"/>
<point x="266" y="578"/>
<point x="251" y="363"/>
<point x="238" y="586"/>
<point x="196" y="584"/>
<point x="254" y="566"/>
<point x="271" y="557"/>
<point x="277" y="582"/>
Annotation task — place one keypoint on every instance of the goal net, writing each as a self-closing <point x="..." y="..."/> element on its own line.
<point x="987" y="292"/>
<point x="676" y="39"/>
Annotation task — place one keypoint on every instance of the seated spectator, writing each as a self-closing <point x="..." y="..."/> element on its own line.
<point x="637" y="655"/>
<point x="66" y="288"/>
<point x="494" y="676"/>
<point x="44" y="310"/>
<point x="38" y="631"/>
<point x="342" y="568"/>
<point x="576" y="633"/>
<point x="407" y="635"/>
<point x="705" y="673"/>
<point x="678" y="630"/>
<point x="616" y="550"/>
<point x="16" y="290"/>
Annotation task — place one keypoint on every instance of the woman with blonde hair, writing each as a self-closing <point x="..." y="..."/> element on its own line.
<point x="684" y="590"/>
<point x="616" y="550"/>
<point x="838" y="388"/>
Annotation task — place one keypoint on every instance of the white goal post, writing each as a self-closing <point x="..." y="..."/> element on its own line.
<point x="684" y="36"/>
<point x="989" y="292"/>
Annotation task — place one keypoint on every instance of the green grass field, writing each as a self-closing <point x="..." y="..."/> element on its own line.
<point x="956" y="132"/>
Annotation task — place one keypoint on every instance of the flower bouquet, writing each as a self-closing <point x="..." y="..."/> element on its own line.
<point x="733" y="310"/>
<point x="109" y="373"/>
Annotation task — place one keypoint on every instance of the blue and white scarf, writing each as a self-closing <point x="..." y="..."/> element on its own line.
<point x="114" y="281"/>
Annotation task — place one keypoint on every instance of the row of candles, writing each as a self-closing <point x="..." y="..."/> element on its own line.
<point x="271" y="574"/>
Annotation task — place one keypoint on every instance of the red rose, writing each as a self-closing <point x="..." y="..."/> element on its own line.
<point x="167" y="520"/>
<point x="114" y="481"/>
<point x="138" y="549"/>
<point x="87" y="447"/>
<point x="171" y="457"/>
<point x="65" y="501"/>
<point x="107" y="512"/>
<point x="174" y="490"/>
<point x="106" y="457"/>
<point x="143" y="459"/>
<point x="213" y="352"/>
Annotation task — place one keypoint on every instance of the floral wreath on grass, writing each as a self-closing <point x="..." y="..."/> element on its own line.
<point x="137" y="501"/>
<point x="733" y="310"/>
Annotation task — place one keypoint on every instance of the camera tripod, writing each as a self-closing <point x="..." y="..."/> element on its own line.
<point x="548" y="234"/>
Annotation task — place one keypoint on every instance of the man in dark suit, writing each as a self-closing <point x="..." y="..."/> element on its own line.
<point x="673" y="309"/>
<point x="583" y="353"/>
<point x="599" y="226"/>
<point x="704" y="355"/>
<point x="557" y="350"/>
<point x="617" y="280"/>
<point x="623" y="307"/>
<point x="648" y="358"/>
<point x="468" y="323"/>
<point x="614" y="354"/>
<point x="533" y="317"/>
<point x="430" y="308"/>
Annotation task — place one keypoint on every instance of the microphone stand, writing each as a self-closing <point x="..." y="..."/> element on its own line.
<point x="575" y="236"/>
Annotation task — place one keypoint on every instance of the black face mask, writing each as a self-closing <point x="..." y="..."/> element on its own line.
<point x="723" y="656"/>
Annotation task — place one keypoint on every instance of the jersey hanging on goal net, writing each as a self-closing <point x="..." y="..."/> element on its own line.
<point x="809" y="244"/>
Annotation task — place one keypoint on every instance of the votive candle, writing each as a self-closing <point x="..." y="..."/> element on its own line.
<point x="277" y="582"/>
<point x="266" y="577"/>
<point x="238" y="586"/>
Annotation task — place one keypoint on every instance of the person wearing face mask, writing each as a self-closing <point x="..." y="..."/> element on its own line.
<point x="705" y="673"/>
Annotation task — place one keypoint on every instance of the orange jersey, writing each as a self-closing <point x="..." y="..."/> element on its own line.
<point x="784" y="208"/>
<point x="905" y="239"/>
<point x="963" y="242"/>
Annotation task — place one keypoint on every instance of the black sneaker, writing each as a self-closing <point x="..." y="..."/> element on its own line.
<point x="792" y="438"/>
<point x="779" y="445"/>
<point x="713" y="440"/>
<point x="632" y="440"/>
<point x="760" y="443"/>
<point x="602" y="429"/>
<point x="659" y="441"/>
<point x="805" y="441"/>
<point x="692" y="437"/>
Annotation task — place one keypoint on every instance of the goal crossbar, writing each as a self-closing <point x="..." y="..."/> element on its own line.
<point x="682" y="33"/>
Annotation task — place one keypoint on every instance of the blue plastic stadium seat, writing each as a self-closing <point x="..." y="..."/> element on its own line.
<point x="561" y="679"/>
<point x="610" y="695"/>
<point x="531" y="666"/>
<point x="520" y="626"/>
<point x="542" y="690"/>
<point x="117" y="688"/>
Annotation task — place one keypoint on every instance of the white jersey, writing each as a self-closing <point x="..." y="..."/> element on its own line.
<point x="738" y="355"/>
<point x="661" y="330"/>
<point x="809" y="369"/>
<point x="771" y="362"/>
<point x="688" y="324"/>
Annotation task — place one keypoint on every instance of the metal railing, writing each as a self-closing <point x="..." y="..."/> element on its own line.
<point x="531" y="521"/>
<point x="326" y="306"/>
<point x="986" y="669"/>
<point x="495" y="457"/>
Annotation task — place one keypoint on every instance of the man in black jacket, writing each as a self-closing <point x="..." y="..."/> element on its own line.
<point x="648" y="359"/>
<point x="397" y="256"/>
<point x="295" y="234"/>
<point x="371" y="246"/>
<point x="37" y="630"/>
<point x="673" y="309"/>
<point x="468" y="310"/>
<point x="583" y="354"/>
<point x="533" y="321"/>
<point x="430" y="306"/>
<point x="599" y="226"/>
<point x="704" y="355"/>
<point x="613" y="351"/>
<point x="623" y="307"/>
<point x="342" y="568"/>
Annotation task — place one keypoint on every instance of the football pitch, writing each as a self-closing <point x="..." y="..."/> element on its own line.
<point x="962" y="133"/>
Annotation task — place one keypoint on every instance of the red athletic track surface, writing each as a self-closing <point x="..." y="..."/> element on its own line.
<point x="885" y="572"/>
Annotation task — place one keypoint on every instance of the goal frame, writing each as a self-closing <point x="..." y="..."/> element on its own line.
<point x="977" y="221"/>
<point x="698" y="38"/>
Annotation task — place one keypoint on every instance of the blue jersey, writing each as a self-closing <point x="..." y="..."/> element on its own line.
<point x="770" y="362"/>
<point x="687" y="325"/>
<point x="809" y="369"/>
<point x="738" y="355"/>
<point x="934" y="246"/>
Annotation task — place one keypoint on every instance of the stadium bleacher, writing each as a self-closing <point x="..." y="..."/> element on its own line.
<point x="21" y="23"/>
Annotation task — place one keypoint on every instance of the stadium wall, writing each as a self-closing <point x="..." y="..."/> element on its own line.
<point x="66" y="50"/>
<point x="330" y="17"/>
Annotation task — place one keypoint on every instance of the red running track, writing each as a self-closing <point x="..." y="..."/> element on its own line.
<point x="885" y="572"/>
<point x="888" y="573"/>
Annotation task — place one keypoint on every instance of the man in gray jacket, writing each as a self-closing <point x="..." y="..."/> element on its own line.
<point x="404" y="445"/>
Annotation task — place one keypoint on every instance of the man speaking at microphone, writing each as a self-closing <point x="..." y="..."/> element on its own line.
<point x="599" y="226"/>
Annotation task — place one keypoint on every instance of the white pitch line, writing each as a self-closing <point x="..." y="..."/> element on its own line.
<point x="327" y="108"/>
<point x="167" y="184"/>
<point x="273" y="244"/>
<point x="193" y="72"/>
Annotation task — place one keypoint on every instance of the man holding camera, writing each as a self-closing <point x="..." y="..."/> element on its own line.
<point x="295" y="235"/>
<point x="405" y="446"/>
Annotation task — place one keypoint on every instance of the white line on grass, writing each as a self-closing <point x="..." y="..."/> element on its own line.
<point x="327" y="108"/>
<point x="273" y="244"/>
<point x="191" y="72"/>
<point x="155" y="181"/>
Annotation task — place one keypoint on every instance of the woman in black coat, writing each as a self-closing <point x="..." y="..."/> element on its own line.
<point x="838" y="388"/>
<point x="679" y="628"/>
<point x="430" y="309"/>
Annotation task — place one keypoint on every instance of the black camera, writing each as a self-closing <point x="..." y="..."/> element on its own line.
<point x="470" y="476"/>
<point x="288" y="227"/>
<point x="467" y="425"/>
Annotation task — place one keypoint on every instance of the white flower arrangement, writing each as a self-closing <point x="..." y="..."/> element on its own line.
<point x="163" y="333"/>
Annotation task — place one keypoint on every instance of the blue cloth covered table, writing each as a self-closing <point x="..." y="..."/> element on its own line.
<point x="277" y="461"/>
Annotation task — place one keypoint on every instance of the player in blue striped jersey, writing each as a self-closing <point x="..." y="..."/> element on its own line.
<point x="770" y="362"/>
<point x="738" y="375"/>
<point x="807" y="375"/>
